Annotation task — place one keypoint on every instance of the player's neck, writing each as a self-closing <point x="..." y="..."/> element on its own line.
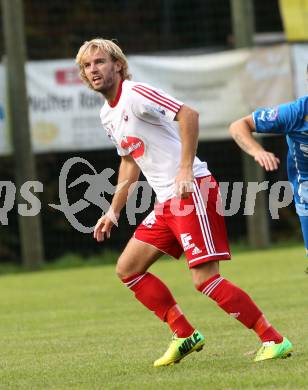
<point x="115" y="93"/>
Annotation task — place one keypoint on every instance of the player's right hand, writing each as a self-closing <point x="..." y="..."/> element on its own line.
<point x="267" y="160"/>
<point x="103" y="226"/>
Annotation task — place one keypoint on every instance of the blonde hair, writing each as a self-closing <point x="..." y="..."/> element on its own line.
<point x="109" y="47"/>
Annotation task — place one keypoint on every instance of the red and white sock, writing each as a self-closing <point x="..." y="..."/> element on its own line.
<point x="155" y="295"/>
<point x="266" y="331"/>
<point x="239" y="305"/>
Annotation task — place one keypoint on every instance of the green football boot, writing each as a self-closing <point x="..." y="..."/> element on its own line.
<point x="179" y="348"/>
<point x="270" y="350"/>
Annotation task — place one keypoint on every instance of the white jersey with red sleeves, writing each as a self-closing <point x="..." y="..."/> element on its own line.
<point x="141" y="123"/>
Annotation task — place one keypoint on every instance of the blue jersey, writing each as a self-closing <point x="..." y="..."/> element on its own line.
<point x="291" y="119"/>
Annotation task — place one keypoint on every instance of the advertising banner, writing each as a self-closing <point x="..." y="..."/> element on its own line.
<point x="64" y="114"/>
<point x="267" y="77"/>
<point x="209" y="83"/>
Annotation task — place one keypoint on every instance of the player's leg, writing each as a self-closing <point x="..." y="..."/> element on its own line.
<point x="235" y="302"/>
<point x="153" y="238"/>
<point x="208" y="235"/>
<point x="132" y="268"/>
<point x="136" y="258"/>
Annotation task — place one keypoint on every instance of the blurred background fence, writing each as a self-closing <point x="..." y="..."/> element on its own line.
<point x="56" y="29"/>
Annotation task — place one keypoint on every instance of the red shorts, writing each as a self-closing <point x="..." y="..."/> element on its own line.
<point x="194" y="225"/>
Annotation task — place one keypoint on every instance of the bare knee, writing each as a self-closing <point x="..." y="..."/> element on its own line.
<point x="126" y="267"/>
<point x="203" y="272"/>
<point x="136" y="258"/>
<point x="122" y="269"/>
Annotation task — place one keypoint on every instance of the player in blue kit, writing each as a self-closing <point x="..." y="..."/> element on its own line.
<point x="290" y="119"/>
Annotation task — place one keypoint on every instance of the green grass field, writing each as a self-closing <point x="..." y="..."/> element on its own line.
<point x="81" y="329"/>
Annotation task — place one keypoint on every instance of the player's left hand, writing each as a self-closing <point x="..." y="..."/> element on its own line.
<point x="184" y="183"/>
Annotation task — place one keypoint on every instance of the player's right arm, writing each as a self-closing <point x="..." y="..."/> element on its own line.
<point x="242" y="132"/>
<point x="128" y="175"/>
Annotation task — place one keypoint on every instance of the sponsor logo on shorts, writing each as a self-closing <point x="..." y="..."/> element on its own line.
<point x="186" y="238"/>
<point x="196" y="251"/>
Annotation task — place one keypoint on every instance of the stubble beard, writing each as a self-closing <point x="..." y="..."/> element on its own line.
<point x="106" y="87"/>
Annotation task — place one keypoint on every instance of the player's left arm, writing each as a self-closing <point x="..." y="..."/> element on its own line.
<point x="189" y="130"/>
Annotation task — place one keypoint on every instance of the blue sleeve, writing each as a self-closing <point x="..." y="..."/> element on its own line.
<point x="281" y="119"/>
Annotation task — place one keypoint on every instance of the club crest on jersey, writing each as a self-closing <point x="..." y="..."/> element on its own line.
<point x="269" y="115"/>
<point x="124" y="116"/>
<point x="133" y="145"/>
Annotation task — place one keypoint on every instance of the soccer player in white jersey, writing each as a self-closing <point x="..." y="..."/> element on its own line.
<point x="157" y="134"/>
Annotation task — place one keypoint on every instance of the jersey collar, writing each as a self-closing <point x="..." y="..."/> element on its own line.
<point x="117" y="98"/>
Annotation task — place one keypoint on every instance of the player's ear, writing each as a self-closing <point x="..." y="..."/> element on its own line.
<point x="118" y="66"/>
